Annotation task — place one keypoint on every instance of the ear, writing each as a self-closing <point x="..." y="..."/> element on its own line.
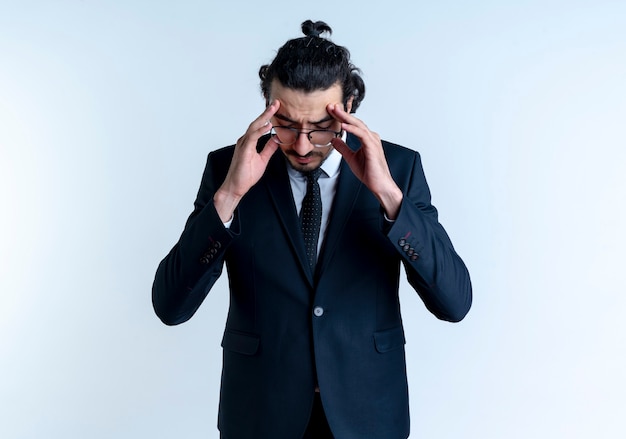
<point x="348" y="105"/>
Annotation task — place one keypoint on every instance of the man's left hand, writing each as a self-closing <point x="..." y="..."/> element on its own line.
<point x="368" y="163"/>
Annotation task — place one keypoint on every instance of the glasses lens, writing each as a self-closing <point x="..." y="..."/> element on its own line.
<point x="322" y="137"/>
<point x="285" y="135"/>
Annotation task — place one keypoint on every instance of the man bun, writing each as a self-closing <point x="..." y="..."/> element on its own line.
<point x="315" y="29"/>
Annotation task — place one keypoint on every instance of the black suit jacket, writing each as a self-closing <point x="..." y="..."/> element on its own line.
<point x="288" y="329"/>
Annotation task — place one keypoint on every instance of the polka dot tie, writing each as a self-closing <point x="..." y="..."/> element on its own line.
<point x="311" y="216"/>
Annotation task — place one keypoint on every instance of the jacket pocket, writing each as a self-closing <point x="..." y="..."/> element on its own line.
<point x="389" y="339"/>
<point x="245" y="344"/>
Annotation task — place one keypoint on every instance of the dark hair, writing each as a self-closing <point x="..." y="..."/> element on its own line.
<point x="312" y="63"/>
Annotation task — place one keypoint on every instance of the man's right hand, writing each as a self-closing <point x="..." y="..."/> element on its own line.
<point x="247" y="165"/>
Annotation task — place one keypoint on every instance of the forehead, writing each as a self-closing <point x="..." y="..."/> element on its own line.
<point x="302" y="105"/>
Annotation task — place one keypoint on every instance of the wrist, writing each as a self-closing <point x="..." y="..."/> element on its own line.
<point x="225" y="203"/>
<point x="391" y="200"/>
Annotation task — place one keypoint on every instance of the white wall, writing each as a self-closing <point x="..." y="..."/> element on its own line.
<point x="107" y="112"/>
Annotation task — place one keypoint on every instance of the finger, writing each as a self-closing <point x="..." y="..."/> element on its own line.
<point x="350" y="123"/>
<point x="264" y="119"/>
<point x="269" y="149"/>
<point x="342" y="147"/>
<point x="363" y="133"/>
<point x="337" y="111"/>
<point x="261" y="125"/>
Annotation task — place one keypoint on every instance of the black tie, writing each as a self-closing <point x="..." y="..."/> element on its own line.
<point x="311" y="216"/>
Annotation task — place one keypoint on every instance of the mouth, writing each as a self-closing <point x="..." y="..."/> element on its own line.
<point x="304" y="159"/>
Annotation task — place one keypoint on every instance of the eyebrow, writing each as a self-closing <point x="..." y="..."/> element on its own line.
<point x="316" y="122"/>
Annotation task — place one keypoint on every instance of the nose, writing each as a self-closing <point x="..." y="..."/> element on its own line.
<point x="302" y="145"/>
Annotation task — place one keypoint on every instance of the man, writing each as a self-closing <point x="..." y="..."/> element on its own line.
<point x="314" y="343"/>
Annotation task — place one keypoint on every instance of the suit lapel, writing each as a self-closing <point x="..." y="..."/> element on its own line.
<point x="279" y="187"/>
<point x="348" y="189"/>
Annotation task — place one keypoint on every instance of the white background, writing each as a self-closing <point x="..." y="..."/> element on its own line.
<point x="107" y="112"/>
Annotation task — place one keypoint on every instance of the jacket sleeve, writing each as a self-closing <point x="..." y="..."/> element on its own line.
<point x="184" y="278"/>
<point x="433" y="267"/>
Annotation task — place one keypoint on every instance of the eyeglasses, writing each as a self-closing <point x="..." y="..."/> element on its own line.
<point x="319" y="138"/>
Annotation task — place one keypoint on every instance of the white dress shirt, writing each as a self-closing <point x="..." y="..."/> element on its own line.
<point x="328" y="187"/>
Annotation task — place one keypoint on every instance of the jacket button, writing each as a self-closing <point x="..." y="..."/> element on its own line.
<point x="318" y="311"/>
<point x="415" y="257"/>
<point x="401" y="242"/>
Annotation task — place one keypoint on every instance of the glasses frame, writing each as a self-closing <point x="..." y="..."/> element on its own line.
<point x="299" y="132"/>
